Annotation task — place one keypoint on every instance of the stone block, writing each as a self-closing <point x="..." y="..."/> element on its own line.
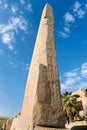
<point x="48" y="128"/>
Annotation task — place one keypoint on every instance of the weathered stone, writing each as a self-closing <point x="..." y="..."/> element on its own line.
<point x="42" y="104"/>
<point x="47" y="128"/>
<point x="9" y="123"/>
<point x="3" y="122"/>
<point x="15" y="122"/>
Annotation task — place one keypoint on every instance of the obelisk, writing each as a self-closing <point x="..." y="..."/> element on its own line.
<point x="42" y="104"/>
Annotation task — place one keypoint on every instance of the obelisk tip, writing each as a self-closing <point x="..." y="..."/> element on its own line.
<point x="47" y="6"/>
<point x="47" y="12"/>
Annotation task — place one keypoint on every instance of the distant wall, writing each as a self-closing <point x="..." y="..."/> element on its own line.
<point x="9" y="123"/>
<point x="3" y="122"/>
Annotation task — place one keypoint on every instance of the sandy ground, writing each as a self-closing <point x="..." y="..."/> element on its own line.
<point x="77" y="123"/>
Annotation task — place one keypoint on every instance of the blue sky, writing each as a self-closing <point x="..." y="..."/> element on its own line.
<point x="19" y="22"/>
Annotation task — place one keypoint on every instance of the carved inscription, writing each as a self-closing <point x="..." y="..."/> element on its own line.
<point x="43" y="88"/>
<point x="41" y="92"/>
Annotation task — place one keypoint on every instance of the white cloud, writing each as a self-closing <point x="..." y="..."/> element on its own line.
<point x="29" y="7"/>
<point x="63" y="34"/>
<point x="69" y="81"/>
<point x="84" y="66"/>
<point x="69" y="18"/>
<point x="4" y="6"/>
<point x="25" y="67"/>
<point x="64" y="88"/>
<point x="13" y="64"/>
<point x="72" y="73"/>
<point x="1" y="52"/>
<point x="76" y="6"/>
<point x="67" y="29"/>
<point x="14" y="23"/>
<point x="84" y="73"/>
<point x="78" y="86"/>
<point x="7" y="30"/>
<point x="22" y="1"/>
<point x="74" y="79"/>
<point x="78" y="10"/>
<point x="14" y="9"/>
<point x="7" y="39"/>
<point x="18" y="22"/>
<point x="81" y="13"/>
<point x="84" y="70"/>
<point x="83" y="85"/>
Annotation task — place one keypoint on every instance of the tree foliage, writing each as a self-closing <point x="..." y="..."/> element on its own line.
<point x="71" y="106"/>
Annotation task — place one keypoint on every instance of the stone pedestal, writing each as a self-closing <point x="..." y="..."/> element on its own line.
<point x="48" y="128"/>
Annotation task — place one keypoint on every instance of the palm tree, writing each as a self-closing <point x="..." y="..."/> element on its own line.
<point x="70" y="105"/>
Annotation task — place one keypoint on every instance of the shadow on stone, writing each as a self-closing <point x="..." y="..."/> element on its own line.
<point x="79" y="128"/>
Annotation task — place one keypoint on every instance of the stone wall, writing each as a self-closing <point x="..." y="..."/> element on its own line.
<point x="3" y="122"/>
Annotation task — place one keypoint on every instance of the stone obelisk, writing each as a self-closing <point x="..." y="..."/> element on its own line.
<point x="42" y="104"/>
